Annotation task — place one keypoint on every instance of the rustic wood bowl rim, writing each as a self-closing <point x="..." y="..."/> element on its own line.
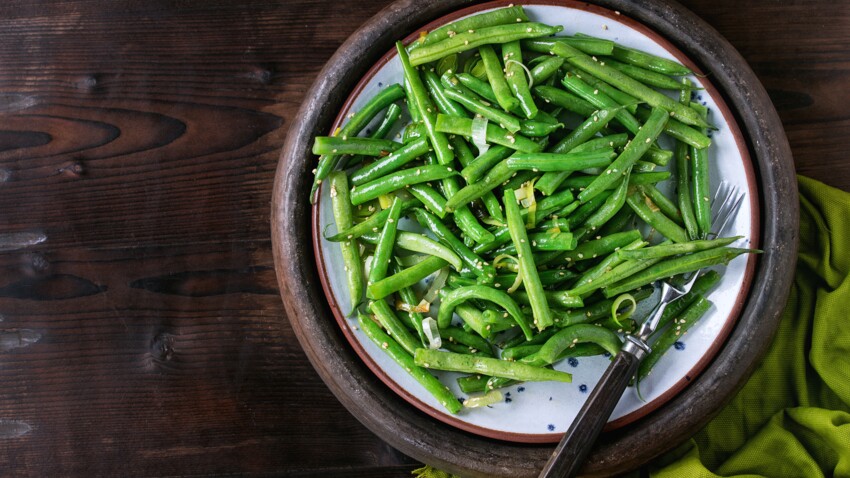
<point x="419" y="435"/>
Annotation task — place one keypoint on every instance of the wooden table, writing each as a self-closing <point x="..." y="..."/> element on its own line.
<point x="142" y="332"/>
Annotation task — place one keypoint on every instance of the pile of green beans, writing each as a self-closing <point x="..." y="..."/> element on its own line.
<point x="529" y="227"/>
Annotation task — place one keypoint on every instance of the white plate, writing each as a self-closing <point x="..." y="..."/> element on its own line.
<point x="541" y="412"/>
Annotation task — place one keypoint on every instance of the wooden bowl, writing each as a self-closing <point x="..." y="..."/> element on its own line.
<point x="415" y="433"/>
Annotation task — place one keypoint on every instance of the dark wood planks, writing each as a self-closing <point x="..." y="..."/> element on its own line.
<point x="145" y="335"/>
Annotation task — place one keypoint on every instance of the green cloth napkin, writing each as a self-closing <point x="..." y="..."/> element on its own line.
<point x="792" y="418"/>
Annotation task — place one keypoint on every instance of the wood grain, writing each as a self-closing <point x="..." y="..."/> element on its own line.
<point x="145" y="335"/>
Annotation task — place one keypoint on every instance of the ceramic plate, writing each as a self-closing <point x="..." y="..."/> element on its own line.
<point x="541" y="412"/>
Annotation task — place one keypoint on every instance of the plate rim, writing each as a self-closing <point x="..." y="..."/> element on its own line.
<point x="413" y="432"/>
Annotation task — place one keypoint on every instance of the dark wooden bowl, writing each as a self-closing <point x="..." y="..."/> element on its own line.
<point x="436" y="443"/>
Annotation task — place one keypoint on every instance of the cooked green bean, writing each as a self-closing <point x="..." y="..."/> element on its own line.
<point x="392" y="115"/>
<point x="372" y="224"/>
<point x="485" y="162"/>
<point x="569" y="336"/>
<point x="546" y="68"/>
<point x="628" y="101"/>
<point x="429" y="197"/>
<point x="355" y="124"/>
<point x="451" y="299"/>
<point x="632" y="152"/>
<point x="393" y="162"/>
<point x="650" y="214"/>
<point x="666" y="206"/>
<point x="390" y="322"/>
<point x="636" y="179"/>
<point x="516" y="77"/>
<point x="421" y="375"/>
<point x="386" y="242"/>
<point x="458" y="335"/>
<point x="701" y="287"/>
<point x="560" y="162"/>
<point x="339" y="145"/>
<point x="435" y="359"/>
<point x="405" y="278"/>
<point x="485" y="272"/>
<point x="500" y="16"/>
<point x="496" y="176"/>
<point x="443" y="102"/>
<point x="474" y="38"/>
<point x="678" y="130"/>
<point x="463" y="217"/>
<point x="676" y="266"/>
<point x="591" y="46"/>
<point x="495" y="134"/>
<point x="599" y="99"/>
<point x="568" y="101"/>
<point x="606" y="211"/>
<point x="397" y="180"/>
<point x="479" y="86"/>
<point x="350" y="248"/>
<point x="528" y="271"/>
<point x="472" y="102"/>
<point x="628" y="85"/>
<point x="700" y="188"/>
<point x="585" y="283"/>
<point x="647" y="77"/>
<point x="422" y="103"/>
<point x="668" y="250"/>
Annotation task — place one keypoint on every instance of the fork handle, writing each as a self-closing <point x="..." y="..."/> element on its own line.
<point x="571" y="452"/>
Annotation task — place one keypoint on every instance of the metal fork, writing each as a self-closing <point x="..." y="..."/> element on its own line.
<point x="571" y="452"/>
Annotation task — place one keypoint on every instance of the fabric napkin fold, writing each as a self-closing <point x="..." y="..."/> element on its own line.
<point x="792" y="418"/>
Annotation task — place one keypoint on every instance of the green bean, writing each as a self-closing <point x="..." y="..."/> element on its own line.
<point x="632" y="152"/>
<point x="495" y="134"/>
<point x="421" y="375"/>
<point x="683" y="177"/>
<point x="636" y="179"/>
<point x="676" y="266"/>
<point x="611" y="206"/>
<point x="563" y="99"/>
<point x="657" y="155"/>
<point x="528" y="271"/>
<point x="422" y="103"/>
<point x="497" y="175"/>
<point x="350" y="249"/>
<point x="387" y="318"/>
<point x="444" y="103"/>
<point x="544" y="207"/>
<point x="465" y="157"/>
<point x="538" y="129"/>
<point x="474" y="66"/>
<point x="355" y="124"/>
<point x="678" y="130"/>
<point x="701" y="185"/>
<point x="473" y="383"/>
<point x="555" y="298"/>
<point x="560" y="162"/>
<point x="567" y="337"/>
<point x="451" y="299"/>
<point x="425" y="245"/>
<point x="392" y="115"/>
<point x="666" y="206"/>
<point x="429" y="197"/>
<point x="472" y="102"/>
<point x="386" y="242"/>
<point x="372" y="224"/>
<point x="516" y="78"/>
<point x="621" y="272"/>
<point x="405" y="278"/>
<point x="586" y="349"/>
<point x="485" y="272"/>
<point x="501" y="16"/>
<point x="463" y="217"/>
<point x="339" y="145"/>
<point x="676" y="249"/>
<point x="672" y="335"/>
<point x="398" y="180"/>
<point x="628" y="85"/>
<point x="587" y="209"/>
<point x="498" y="81"/>
<point x="468" y="40"/>
<point x="393" y="162"/>
<point x="618" y="223"/>
<point x="602" y="246"/>
<point x="628" y="101"/>
<point x="598" y="99"/>
<point x="480" y="87"/>
<point x="591" y="46"/>
<point x="485" y="162"/>
<point x="649" y="212"/>
<point x="649" y="61"/>
<point x="583" y="133"/>
<point x="585" y="282"/>
<point x="546" y="68"/>
<point x="436" y="359"/>
<point x="647" y="77"/>
<point x="448" y="63"/>
<point x="458" y="335"/>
